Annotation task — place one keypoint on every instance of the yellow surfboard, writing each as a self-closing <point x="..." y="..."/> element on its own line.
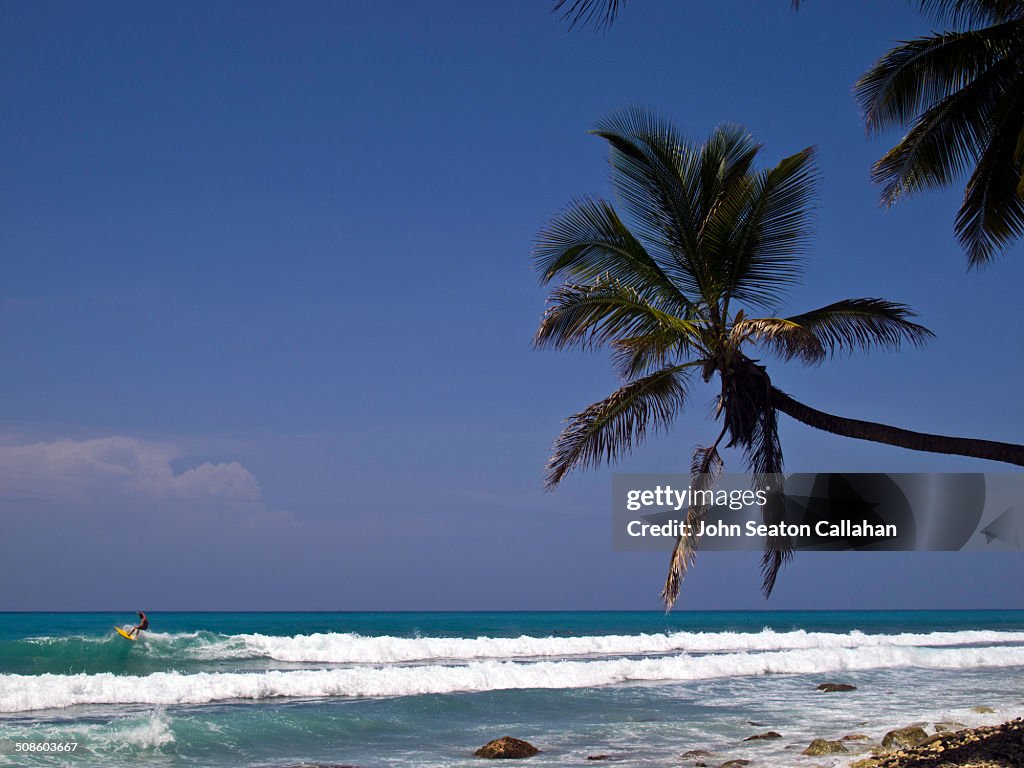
<point x="122" y="633"/>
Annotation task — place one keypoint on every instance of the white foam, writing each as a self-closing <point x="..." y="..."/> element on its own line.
<point x="341" y="648"/>
<point x="145" y="731"/>
<point x="20" y="693"/>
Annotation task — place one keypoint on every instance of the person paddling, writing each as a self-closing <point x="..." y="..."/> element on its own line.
<point x="142" y="625"/>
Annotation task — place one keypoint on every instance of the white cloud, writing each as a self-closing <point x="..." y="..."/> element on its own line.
<point x="75" y="469"/>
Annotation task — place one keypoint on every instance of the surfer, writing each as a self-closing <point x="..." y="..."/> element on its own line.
<point x="142" y="625"/>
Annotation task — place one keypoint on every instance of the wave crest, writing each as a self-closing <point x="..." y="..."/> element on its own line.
<point x="339" y="648"/>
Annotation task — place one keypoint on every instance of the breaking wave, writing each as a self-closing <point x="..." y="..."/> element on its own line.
<point x="353" y="649"/>
<point x="92" y="654"/>
<point x="20" y="693"/>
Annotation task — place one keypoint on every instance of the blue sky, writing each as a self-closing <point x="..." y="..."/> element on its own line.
<point x="266" y="302"/>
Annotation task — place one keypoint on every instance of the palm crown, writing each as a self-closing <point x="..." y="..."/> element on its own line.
<point x="684" y="293"/>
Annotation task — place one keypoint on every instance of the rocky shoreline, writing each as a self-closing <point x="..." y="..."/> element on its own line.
<point x="991" y="746"/>
<point x="952" y="746"/>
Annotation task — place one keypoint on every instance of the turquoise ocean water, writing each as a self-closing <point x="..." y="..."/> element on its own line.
<point x="426" y="689"/>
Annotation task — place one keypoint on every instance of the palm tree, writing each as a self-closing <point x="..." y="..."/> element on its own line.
<point x="960" y="94"/>
<point x="676" y="295"/>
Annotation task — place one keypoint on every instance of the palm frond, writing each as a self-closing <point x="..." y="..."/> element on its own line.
<point x="764" y="459"/>
<point x="766" y="230"/>
<point x="946" y="138"/>
<point x="656" y="175"/>
<point x="639" y="355"/>
<point x="777" y="553"/>
<point x="724" y="163"/>
<point x="767" y="453"/>
<point x="764" y="451"/>
<point x="920" y="73"/>
<point x="992" y="214"/>
<point x="972" y="13"/>
<point x="588" y="316"/>
<point x="850" y="325"/>
<point x="705" y="469"/>
<point x="588" y="240"/>
<point x="785" y="338"/>
<point x="609" y="428"/>
<point x="600" y="13"/>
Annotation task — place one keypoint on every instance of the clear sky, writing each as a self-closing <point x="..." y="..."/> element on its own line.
<point x="266" y="302"/>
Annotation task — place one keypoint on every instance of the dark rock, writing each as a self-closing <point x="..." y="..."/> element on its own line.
<point x="597" y="757"/>
<point x="836" y="687"/>
<point x="734" y="763"/>
<point x="901" y="738"/>
<point x="998" y="746"/>
<point x="824" y="747"/>
<point x="507" y="748"/>
<point x="695" y="753"/>
<point x="855" y="737"/>
<point x="949" y="726"/>
<point x="983" y="710"/>
<point x="765" y="735"/>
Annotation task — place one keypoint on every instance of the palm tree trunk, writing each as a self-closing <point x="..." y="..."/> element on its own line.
<point x="904" y="438"/>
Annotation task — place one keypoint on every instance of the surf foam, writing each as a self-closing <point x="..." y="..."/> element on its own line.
<point x="343" y="648"/>
<point x="19" y="693"/>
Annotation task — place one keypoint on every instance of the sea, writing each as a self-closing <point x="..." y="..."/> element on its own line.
<point x="279" y="690"/>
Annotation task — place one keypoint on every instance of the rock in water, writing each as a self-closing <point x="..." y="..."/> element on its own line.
<point x="765" y="735"/>
<point x="507" y="748"/>
<point x="836" y="687"/>
<point x="983" y="710"/>
<point x="855" y="737"/>
<point x="902" y="738"/>
<point x="824" y="747"/>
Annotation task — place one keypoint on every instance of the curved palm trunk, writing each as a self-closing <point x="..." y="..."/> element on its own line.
<point x="904" y="438"/>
